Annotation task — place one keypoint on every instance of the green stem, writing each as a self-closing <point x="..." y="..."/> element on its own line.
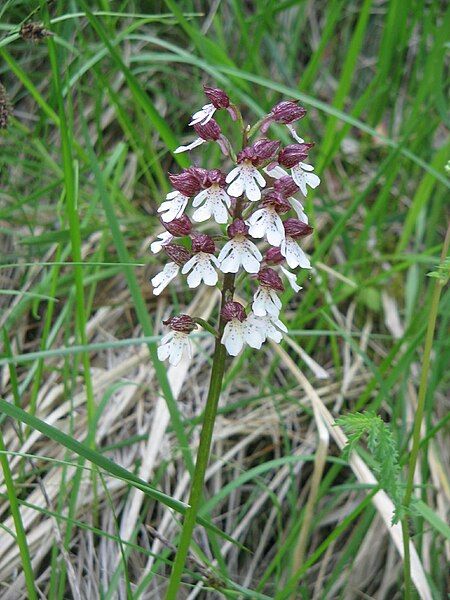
<point x="195" y="497"/>
<point x="205" y="325"/>
<point x="418" y="421"/>
<point x="21" y="537"/>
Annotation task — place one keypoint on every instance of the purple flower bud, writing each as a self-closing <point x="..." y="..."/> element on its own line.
<point x="273" y="256"/>
<point x="265" y="149"/>
<point x="293" y="154"/>
<point x="287" y="111"/>
<point x="217" y="97"/>
<point x="202" y="243"/>
<point x="261" y="151"/>
<point x="212" y="177"/>
<point x="233" y="310"/>
<point x="286" y="186"/>
<point x="237" y="227"/>
<point x="187" y="182"/>
<point x="275" y="200"/>
<point x="209" y="131"/>
<point x="296" y="228"/>
<point x="270" y="278"/>
<point x="179" y="227"/>
<point x="178" y="254"/>
<point x="183" y="323"/>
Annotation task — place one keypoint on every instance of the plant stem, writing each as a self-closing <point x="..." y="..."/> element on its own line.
<point x="195" y="497"/>
<point x="418" y="421"/>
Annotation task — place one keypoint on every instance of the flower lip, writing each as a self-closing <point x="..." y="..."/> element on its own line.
<point x="270" y="278"/>
<point x="183" y="323"/>
<point x="286" y="186"/>
<point x="202" y="243"/>
<point x="233" y="310"/>
<point x="296" y="228"/>
<point x="291" y="155"/>
<point x="275" y="200"/>
<point x="212" y="177"/>
<point x="177" y="253"/>
<point x="237" y="227"/>
<point x="217" y="97"/>
<point x="179" y="227"/>
<point x="273" y="256"/>
<point x="188" y="181"/>
<point x="287" y="112"/>
<point x="208" y="131"/>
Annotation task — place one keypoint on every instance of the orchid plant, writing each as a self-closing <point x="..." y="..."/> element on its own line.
<point x="252" y="208"/>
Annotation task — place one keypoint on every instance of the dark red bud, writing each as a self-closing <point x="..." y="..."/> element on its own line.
<point x="212" y="177"/>
<point x="287" y="111"/>
<point x="208" y="131"/>
<point x="217" y="97"/>
<point x="178" y="254"/>
<point x="270" y="278"/>
<point x="183" y="323"/>
<point x="202" y="243"/>
<point x="179" y="227"/>
<point x="277" y="201"/>
<point x="187" y="182"/>
<point x="273" y="256"/>
<point x="293" y="154"/>
<point x="296" y="228"/>
<point x="261" y="151"/>
<point x="237" y="227"/>
<point x="233" y="310"/>
<point x="286" y="186"/>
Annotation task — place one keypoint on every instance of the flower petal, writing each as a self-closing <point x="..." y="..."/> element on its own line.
<point x="232" y="337"/>
<point x="190" y="146"/>
<point x="162" y="279"/>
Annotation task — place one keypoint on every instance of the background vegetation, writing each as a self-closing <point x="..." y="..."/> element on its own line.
<point x="89" y="416"/>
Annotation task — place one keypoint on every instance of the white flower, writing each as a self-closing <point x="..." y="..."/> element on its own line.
<point x="239" y="251"/>
<point x="162" y="279"/>
<point x="197" y="142"/>
<point x="276" y="172"/>
<point x="237" y="333"/>
<point x="269" y="327"/>
<point x="266" y="302"/>
<point x="294" y="134"/>
<point x="292" y="279"/>
<point x="161" y="239"/>
<point x="266" y="222"/>
<point x="294" y="255"/>
<point x="173" y="345"/>
<point x="216" y="200"/>
<point x="201" y="269"/>
<point x="173" y="207"/>
<point x="203" y="115"/>
<point x="302" y="176"/>
<point x="298" y="207"/>
<point x="245" y="178"/>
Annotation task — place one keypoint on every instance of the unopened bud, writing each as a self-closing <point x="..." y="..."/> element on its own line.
<point x="286" y="186"/>
<point x="202" y="243"/>
<point x="187" y="182"/>
<point x="287" y="111"/>
<point x="277" y="201"/>
<point x="208" y="131"/>
<point x="178" y="254"/>
<point x="296" y="228"/>
<point x="233" y="310"/>
<point x="182" y="323"/>
<point x="237" y="227"/>
<point x="273" y="256"/>
<point x="179" y="227"/>
<point x="217" y="97"/>
<point x="291" y="155"/>
<point x="270" y="278"/>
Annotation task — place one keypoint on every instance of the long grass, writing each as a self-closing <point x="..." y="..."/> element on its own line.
<point x="98" y="438"/>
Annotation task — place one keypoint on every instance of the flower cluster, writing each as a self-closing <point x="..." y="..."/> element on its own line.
<point x="253" y="206"/>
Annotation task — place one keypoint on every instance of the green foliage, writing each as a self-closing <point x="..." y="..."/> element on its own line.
<point x="383" y="449"/>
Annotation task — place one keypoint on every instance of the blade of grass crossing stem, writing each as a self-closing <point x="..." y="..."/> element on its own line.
<point x="139" y="304"/>
<point x="75" y="238"/>
<point x="21" y="537"/>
